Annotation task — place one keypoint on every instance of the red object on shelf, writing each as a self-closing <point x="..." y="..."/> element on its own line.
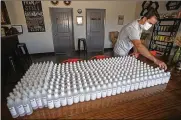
<point x="154" y="52"/>
<point x="72" y="60"/>
<point x="100" y="57"/>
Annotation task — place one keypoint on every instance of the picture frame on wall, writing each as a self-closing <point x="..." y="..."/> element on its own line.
<point x="79" y="20"/>
<point x="19" y="28"/>
<point x="120" y="19"/>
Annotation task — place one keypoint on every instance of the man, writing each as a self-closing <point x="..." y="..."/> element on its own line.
<point x="130" y="35"/>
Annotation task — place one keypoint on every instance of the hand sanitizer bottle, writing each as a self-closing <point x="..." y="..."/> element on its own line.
<point x="19" y="106"/>
<point x="39" y="99"/>
<point x="87" y="94"/>
<point x="63" y="99"/>
<point x="32" y="100"/>
<point x="137" y="84"/>
<point x="56" y="100"/>
<point x="109" y="90"/>
<point x="160" y="80"/>
<point x="104" y="91"/>
<point x="128" y="85"/>
<point x="98" y="92"/>
<point x="69" y="97"/>
<point x="119" y="86"/>
<point x="12" y="108"/>
<point x="76" y="95"/>
<point x="82" y="97"/>
<point x="145" y="81"/>
<point x="44" y="98"/>
<point x="149" y="81"/>
<point x="93" y="93"/>
<point x="141" y="83"/>
<point x="114" y="90"/>
<point x="50" y="101"/>
<point x="27" y="105"/>
<point x="133" y="82"/>
<point x="123" y="89"/>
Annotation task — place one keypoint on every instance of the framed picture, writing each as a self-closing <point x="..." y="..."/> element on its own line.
<point x="18" y="27"/>
<point x="120" y="19"/>
<point x="79" y="20"/>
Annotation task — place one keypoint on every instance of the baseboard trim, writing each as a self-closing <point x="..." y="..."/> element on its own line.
<point x="53" y="53"/>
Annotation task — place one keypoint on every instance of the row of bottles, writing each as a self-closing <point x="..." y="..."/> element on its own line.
<point x="55" y="85"/>
<point x="164" y="28"/>
<point x="164" y="38"/>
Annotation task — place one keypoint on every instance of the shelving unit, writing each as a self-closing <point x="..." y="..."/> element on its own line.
<point x="163" y="36"/>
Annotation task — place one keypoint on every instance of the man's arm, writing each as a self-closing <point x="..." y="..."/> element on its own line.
<point x="144" y="51"/>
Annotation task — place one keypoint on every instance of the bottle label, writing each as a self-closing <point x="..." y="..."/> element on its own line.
<point x="50" y="104"/>
<point x="114" y="90"/>
<point x="136" y="85"/>
<point x="27" y="108"/>
<point x="123" y="88"/>
<point x="44" y="100"/>
<point x="127" y="87"/>
<point x="145" y="83"/>
<point x="12" y="111"/>
<point x="118" y="90"/>
<point x="33" y="103"/>
<point x="57" y="103"/>
<point x="21" y="109"/>
<point x="39" y="102"/>
<point x="132" y="87"/>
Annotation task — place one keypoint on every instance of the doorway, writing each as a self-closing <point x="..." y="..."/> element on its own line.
<point x="95" y="29"/>
<point x="62" y="30"/>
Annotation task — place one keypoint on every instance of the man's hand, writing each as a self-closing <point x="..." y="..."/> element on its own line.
<point x="160" y="64"/>
<point x="144" y="51"/>
<point x="135" y="54"/>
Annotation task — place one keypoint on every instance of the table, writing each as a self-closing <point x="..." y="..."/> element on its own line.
<point x="158" y="102"/>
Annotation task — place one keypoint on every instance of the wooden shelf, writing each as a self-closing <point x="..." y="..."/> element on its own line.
<point x="169" y="19"/>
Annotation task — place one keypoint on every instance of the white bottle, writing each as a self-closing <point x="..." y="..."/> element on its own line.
<point x="44" y="98"/>
<point x="69" y="97"/>
<point x="19" y="106"/>
<point x="114" y="89"/>
<point x="63" y="99"/>
<point x="33" y="100"/>
<point x="27" y="105"/>
<point x="153" y="80"/>
<point x="119" y="86"/>
<point x="145" y="78"/>
<point x="12" y="108"/>
<point x="56" y="100"/>
<point x="133" y="82"/>
<point x="137" y="83"/>
<point x="82" y="97"/>
<point x="109" y="89"/>
<point x="76" y="95"/>
<point x="98" y="92"/>
<point x="104" y="91"/>
<point x="87" y="94"/>
<point x="141" y="83"/>
<point x="123" y="89"/>
<point x="149" y="81"/>
<point x="50" y="101"/>
<point x="128" y="85"/>
<point x="39" y="99"/>
<point x="93" y="93"/>
<point x="166" y="77"/>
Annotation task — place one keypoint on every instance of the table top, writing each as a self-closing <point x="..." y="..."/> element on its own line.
<point x="161" y="101"/>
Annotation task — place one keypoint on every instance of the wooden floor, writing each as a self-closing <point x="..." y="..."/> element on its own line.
<point x="158" y="102"/>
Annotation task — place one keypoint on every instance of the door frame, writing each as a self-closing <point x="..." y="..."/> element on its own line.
<point x="51" y="12"/>
<point x="104" y="22"/>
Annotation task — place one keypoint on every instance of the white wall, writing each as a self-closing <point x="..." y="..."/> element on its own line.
<point x="40" y="42"/>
